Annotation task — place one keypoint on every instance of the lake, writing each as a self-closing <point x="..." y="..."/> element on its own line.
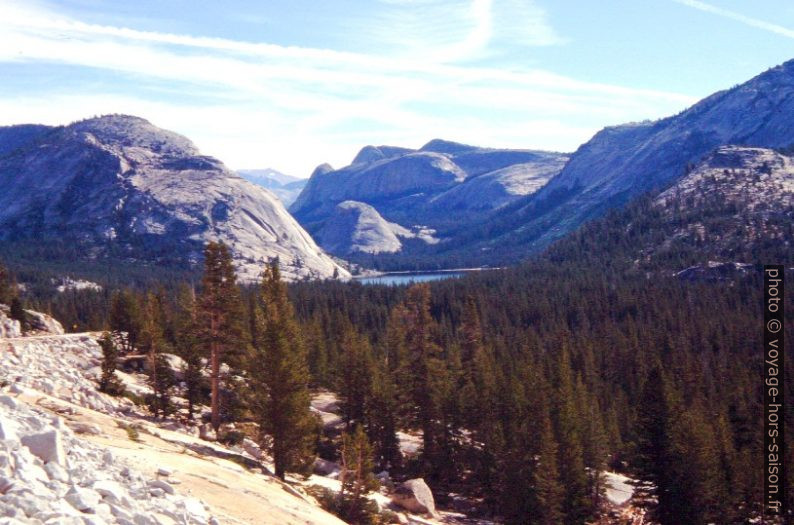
<point x="396" y="279"/>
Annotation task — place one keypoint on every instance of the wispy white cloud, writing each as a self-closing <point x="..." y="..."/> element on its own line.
<point x="733" y="15"/>
<point x="294" y="107"/>
<point x="449" y="31"/>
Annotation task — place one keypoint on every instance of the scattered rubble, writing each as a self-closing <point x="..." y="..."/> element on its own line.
<point x="49" y="475"/>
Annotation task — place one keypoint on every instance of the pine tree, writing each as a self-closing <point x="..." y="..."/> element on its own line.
<point x="109" y="382"/>
<point x="696" y="475"/>
<point x="187" y="345"/>
<point x="356" y="477"/>
<point x="219" y="317"/>
<point x="125" y="319"/>
<point x="382" y="418"/>
<point x="279" y="380"/>
<point x="398" y="363"/>
<point x="355" y="381"/>
<point x="548" y="491"/>
<point x="152" y="341"/>
<point x="529" y="487"/>
<point x="317" y="347"/>
<point x="577" y="505"/>
<point x="657" y="418"/>
<point x="427" y="376"/>
<point x="594" y="442"/>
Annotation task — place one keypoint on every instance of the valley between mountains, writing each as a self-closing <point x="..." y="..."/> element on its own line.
<point x="221" y="363"/>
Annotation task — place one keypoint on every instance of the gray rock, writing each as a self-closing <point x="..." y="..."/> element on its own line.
<point x="443" y="183"/>
<point x="160" y="484"/>
<point x="120" y="512"/>
<point x="621" y="162"/>
<point x="207" y="433"/>
<point x="111" y="491"/>
<point x="56" y="472"/>
<point x="9" y="327"/>
<point x="47" y="446"/>
<point x="84" y="500"/>
<point x="252" y="448"/>
<point x="85" y="428"/>
<point x="324" y="467"/>
<point x="143" y="519"/>
<point x="415" y="496"/>
<point x="5" y="484"/>
<point x="9" y="402"/>
<point x="25" y="502"/>
<point x="44" y="323"/>
<point x="8" y="429"/>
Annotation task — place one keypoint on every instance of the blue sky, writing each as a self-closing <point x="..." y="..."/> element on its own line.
<point x="296" y="83"/>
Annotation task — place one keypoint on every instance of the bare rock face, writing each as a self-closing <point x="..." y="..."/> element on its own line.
<point x="358" y="227"/>
<point x="388" y="193"/>
<point x="414" y="495"/>
<point x="8" y="327"/>
<point x="44" y="323"/>
<point x="47" y="446"/>
<point x="622" y="162"/>
<point x="207" y="433"/>
<point x="117" y="186"/>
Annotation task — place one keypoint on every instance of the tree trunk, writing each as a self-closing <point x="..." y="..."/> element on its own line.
<point x="214" y="379"/>
<point x="215" y="375"/>
<point x="153" y="359"/>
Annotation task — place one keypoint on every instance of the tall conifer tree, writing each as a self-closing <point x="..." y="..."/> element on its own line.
<point x="219" y="316"/>
<point x="279" y="377"/>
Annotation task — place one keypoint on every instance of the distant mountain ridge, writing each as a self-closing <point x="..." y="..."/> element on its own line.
<point x="117" y="186"/>
<point x="431" y="189"/>
<point x="730" y="213"/>
<point x="285" y="187"/>
<point x="621" y="162"/>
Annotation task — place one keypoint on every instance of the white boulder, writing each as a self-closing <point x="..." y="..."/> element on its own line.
<point x="9" y="401"/>
<point x="47" y="446"/>
<point x="207" y="433"/>
<point x="56" y="472"/>
<point x="162" y="485"/>
<point x="84" y="500"/>
<point x="8" y="429"/>
<point x="110" y="490"/>
<point x="9" y="327"/>
<point x="414" y="495"/>
<point x="44" y="323"/>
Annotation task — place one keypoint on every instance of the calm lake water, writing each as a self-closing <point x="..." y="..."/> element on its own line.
<point x="396" y="279"/>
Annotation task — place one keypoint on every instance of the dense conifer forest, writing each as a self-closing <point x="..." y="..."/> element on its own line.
<point x="525" y="384"/>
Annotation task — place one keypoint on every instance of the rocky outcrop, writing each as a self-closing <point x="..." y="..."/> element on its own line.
<point x="43" y="323"/>
<point x="625" y="161"/>
<point x="49" y="475"/>
<point x="414" y="495"/>
<point x="117" y="186"/>
<point x="8" y="327"/>
<point x="66" y="366"/>
<point x="358" y="227"/>
<point x="441" y="187"/>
